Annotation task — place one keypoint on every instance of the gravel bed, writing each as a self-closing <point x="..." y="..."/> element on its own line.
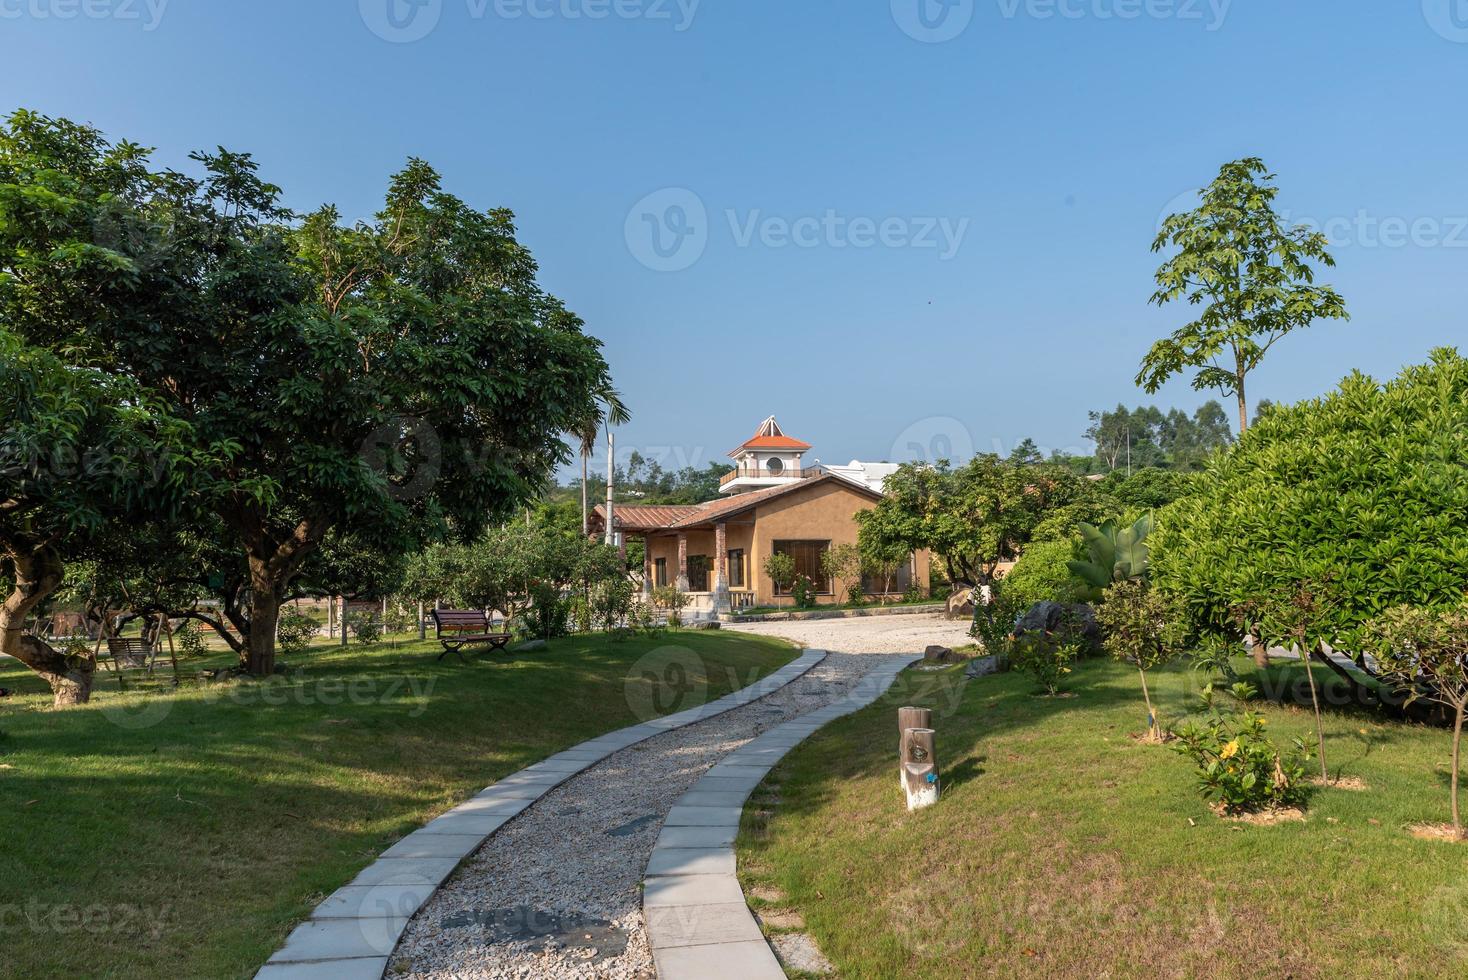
<point x="874" y="634"/>
<point x="555" y="893"/>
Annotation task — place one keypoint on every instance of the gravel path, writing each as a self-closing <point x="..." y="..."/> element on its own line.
<point x="555" y="893"/>
<point x="867" y="634"/>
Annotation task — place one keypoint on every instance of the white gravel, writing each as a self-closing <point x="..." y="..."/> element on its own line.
<point x="555" y="894"/>
<point x="868" y="634"/>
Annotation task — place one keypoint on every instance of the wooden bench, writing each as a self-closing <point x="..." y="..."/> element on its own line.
<point x="131" y="652"/>
<point x="458" y="628"/>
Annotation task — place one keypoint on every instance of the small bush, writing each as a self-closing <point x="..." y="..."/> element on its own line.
<point x="365" y="626"/>
<point x="1049" y="656"/>
<point x="803" y="591"/>
<point x="1238" y="766"/>
<point x="994" y="622"/>
<point x="400" y="620"/>
<point x="190" y="641"/>
<point x="1043" y="575"/>
<point x="294" y="632"/>
<point x="855" y="596"/>
<point x="549" y="615"/>
<point x="673" y="602"/>
<point x="914" y="594"/>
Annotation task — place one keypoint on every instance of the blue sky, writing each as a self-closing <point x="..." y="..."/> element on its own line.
<point x="901" y="230"/>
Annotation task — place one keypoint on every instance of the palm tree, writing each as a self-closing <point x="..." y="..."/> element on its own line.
<point x="611" y="411"/>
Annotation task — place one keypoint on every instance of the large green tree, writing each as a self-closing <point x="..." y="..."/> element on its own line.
<point x="378" y="378"/>
<point x="1251" y="276"/>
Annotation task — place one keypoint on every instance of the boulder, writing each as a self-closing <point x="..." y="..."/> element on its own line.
<point x="1046" y="617"/>
<point x="527" y="646"/>
<point x="940" y="655"/>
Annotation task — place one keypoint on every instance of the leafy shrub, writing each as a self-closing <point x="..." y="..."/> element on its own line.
<point x="643" y="618"/>
<point x="1139" y="626"/>
<point x="994" y="621"/>
<point x="1238" y="766"/>
<point x="1049" y="656"/>
<point x="295" y="631"/>
<point x="581" y="613"/>
<point x="365" y="626"/>
<point x="914" y="594"/>
<point x="854" y="595"/>
<point x="190" y="639"/>
<point x="549" y="615"/>
<point x="673" y="602"/>
<point x="803" y="591"/>
<point x="781" y="570"/>
<point x="400" y="620"/>
<point x="611" y="603"/>
<point x="1043" y="575"/>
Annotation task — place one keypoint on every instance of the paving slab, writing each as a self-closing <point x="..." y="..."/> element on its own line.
<point x="675" y="890"/>
<point x="697" y="836"/>
<point x="684" y="815"/>
<point x="388" y="900"/>
<point x="700" y="925"/>
<point x="714" y="798"/>
<point x="407" y="871"/>
<point x="691" y="861"/>
<point x="421" y="845"/>
<point x="359" y="968"/>
<point x="727" y="961"/>
<point x="341" y="939"/>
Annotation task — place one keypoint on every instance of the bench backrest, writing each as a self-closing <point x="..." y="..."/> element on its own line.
<point x="130" y="651"/>
<point x="461" y="621"/>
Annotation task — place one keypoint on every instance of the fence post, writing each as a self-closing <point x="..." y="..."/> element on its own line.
<point x="919" y="768"/>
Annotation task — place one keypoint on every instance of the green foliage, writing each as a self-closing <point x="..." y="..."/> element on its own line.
<point x="994" y="621"/>
<point x="672" y="602"/>
<point x="1251" y="276"/>
<point x="1356" y="502"/>
<point x="295" y="630"/>
<point x="803" y="591"/>
<point x="1426" y="652"/>
<point x="1149" y="489"/>
<point x="365" y="626"/>
<point x="1238" y="766"/>
<point x="1042" y="574"/>
<point x="549" y="614"/>
<point x="1141" y="627"/>
<point x="842" y="564"/>
<point x="971" y="518"/>
<point x="611" y="602"/>
<point x="1116" y="555"/>
<point x="189" y="640"/>
<point x="1048" y="656"/>
<point x="781" y="570"/>
<point x="1140" y="439"/>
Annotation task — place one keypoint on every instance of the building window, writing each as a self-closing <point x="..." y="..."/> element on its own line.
<point x="736" y="568"/>
<point x="659" y="572"/>
<point x="698" y="573"/>
<point x="775" y="467"/>
<point x="877" y="585"/>
<point x="807" y="555"/>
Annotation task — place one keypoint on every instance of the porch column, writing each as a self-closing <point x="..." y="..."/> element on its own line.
<point x="721" y="569"/>
<point x="682" y="562"/>
<point x="647" y="567"/>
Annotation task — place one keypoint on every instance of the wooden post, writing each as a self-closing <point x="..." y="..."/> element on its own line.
<point x="909" y="718"/>
<point x="682" y="562"/>
<point x="341" y="618"/>
<point x="919" y="768"/>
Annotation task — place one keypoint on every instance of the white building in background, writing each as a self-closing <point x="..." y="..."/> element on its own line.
<point x="870" y="475"/>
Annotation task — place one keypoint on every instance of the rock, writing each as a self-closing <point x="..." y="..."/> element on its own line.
<point x="961" y="604"/>
<point x="799" y="953"/>
<point x="527" y="646"/>
<point x="939" y="655"/>
<point x="1046" y="617"/>
<point x="982" y="667"/>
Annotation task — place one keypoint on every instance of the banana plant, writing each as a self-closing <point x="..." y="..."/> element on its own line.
<point x="1117" y="554"/>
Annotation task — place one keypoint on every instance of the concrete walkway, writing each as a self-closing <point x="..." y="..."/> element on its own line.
<point x="875" y="634"/>
<point x="698" y="921"/>
<point x="353" y="932"/>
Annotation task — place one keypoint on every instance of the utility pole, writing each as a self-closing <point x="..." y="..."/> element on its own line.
<point x="611" y="474"/>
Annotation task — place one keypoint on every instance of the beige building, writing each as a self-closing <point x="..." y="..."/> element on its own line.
<point x="716" y="551"/>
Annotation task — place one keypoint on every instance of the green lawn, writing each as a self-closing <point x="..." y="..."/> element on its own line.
<point x="184" y="833"/>
<point x="1062" y="847"/>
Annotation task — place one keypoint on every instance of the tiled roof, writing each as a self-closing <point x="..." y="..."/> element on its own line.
<point x="647" y="517"/>
<point x="775" y="442"/>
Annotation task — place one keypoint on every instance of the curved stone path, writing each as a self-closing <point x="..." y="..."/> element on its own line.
<point x="351" y="934"/>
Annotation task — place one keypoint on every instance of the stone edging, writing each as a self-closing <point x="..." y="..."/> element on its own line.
<point x="796" y="615"/>
<point x="352" y="934"/>
<point x="698" y="922"/>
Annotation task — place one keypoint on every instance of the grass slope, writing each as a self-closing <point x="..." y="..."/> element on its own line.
<point x="1062" y="847"/>
<point x="184" y="833"/>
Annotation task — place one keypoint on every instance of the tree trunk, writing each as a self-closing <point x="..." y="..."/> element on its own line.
<point x="1239" y="390"/>
<point x="1152" y="730"/>
<point x="1457" y="740"/>
<point x="1306" y="655"/>
<point x="585" y="510"/>
<point x="259" y="652"/>
<point x="38" y="573"/>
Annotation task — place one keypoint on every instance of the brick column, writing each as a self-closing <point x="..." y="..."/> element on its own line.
<point x="647" y="566"/>
<point x="682" y="562"/>
<point x="721" y="568"/>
